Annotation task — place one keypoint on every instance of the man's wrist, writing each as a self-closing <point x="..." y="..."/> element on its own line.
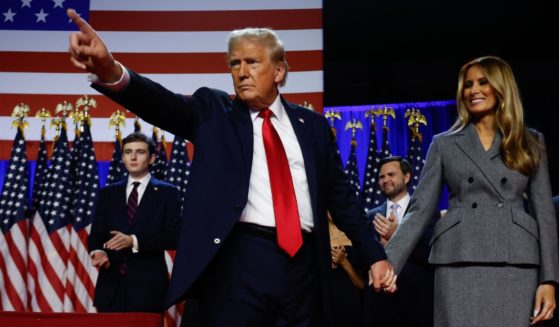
<point x="116" y="86"/>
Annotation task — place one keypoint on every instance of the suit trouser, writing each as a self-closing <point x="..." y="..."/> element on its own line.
<point x="252" y="282"/>
<point x="119" y="302"/>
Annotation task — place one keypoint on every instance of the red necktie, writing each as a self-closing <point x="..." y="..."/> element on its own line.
<point x="288" y="224"/>
<point x="133" y="202"/>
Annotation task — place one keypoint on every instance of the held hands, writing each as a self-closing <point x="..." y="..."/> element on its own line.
<point x="119" y="241"/>
<point x="88" y="52"/>
<point x="545" y="303"/>
<point x="385" y="226"/>
<point x="381" y="275"/>
<point x="100" y="260"/>
<point x="338" y="256"/>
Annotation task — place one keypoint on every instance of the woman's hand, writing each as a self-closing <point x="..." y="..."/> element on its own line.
<point x="545" y="303"/>
<point x="338" y="255"/>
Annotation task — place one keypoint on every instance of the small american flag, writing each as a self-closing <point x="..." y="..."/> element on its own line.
<point x="13" y="224"/>
<point x="49" y="233"/>
<point x="116" y="168"/>
<point x="40" y="174"/>
<point x="159" y="166"/>
<point x="416" y="161"/>
<point x="179" y="166"/>
<point x="351" y="170"/>
<point x="81" y="275"/>
<point x="178" y="171"/>
<point x="385" y="150"/>
<point x="370" y="185"/>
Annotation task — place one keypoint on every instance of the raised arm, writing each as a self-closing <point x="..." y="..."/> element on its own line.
<point x="88" y="51"/>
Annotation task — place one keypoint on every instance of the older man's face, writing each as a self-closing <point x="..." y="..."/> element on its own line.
<point x="255" y="76"/>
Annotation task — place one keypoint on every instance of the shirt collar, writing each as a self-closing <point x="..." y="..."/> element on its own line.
<point x="403" y="203"/>
<point x="143" y="181"/>
<point x="276" y="107"/>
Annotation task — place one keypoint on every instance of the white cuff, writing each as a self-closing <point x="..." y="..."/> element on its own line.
<point x="115" y="86"/>
<point x="135" y="248"/>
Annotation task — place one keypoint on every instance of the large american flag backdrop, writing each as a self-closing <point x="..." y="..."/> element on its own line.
<point x="180" y="44"/>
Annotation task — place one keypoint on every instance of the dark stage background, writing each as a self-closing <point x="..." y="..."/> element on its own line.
<point x="404" y="51"/>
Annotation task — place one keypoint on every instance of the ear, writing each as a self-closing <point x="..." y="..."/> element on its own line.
<point x="279" y="72"/>
<point x="152" y="159"/>
<point x="407" y="178"/>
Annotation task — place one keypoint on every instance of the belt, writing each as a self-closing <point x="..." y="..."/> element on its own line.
<point x="264" y="231"/>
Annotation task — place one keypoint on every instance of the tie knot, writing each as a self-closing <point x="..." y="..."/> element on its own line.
<point x="265" y="113"/>
<point x="136" y="184"/>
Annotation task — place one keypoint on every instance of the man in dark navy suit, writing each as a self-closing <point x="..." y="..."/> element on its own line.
<point x="412" y="305"/>
<point x="136" y="220"/>
<point x="254" y="245"/>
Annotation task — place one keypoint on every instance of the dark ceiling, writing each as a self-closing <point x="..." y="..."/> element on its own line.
<point x="402" y="51"/>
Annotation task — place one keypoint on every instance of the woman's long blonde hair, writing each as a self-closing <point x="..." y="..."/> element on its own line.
<point x="520" y="149"/>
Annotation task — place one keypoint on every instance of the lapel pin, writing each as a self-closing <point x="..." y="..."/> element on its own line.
<point x="301" y="120"/>
<point x="155" y="188"/>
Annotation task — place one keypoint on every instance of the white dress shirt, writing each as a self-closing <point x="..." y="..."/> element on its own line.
<point x="259" y="209"/>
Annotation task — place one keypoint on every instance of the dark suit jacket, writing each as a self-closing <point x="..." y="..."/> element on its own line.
<point x="156" y="227"/>
<point x="221" y="130"/>
<point x="412" y="305"/>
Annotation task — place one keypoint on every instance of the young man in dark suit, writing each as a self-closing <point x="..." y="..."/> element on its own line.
<point x="136" y="220"/>
<point x="412" y="305"/>
<point x="254" y="247"/>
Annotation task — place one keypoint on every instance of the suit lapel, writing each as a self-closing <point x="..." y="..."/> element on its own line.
<point x="121" y="205"/>
<point x="304" y="136"/>
<point x="486" y="161"/>
<point x="240" y="117"/>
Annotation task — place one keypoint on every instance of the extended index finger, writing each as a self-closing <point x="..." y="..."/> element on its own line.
<point x="80" y="22"/>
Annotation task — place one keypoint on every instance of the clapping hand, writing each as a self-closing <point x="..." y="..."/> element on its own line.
<point x="385" y="226"/>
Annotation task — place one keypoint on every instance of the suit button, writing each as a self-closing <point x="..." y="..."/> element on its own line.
<point x="500" y="205"/>
<point x="470" y="180"/>
<point x="503" y="180"/>
<point x="217" y="241"/>
<point x="474" y="205"/>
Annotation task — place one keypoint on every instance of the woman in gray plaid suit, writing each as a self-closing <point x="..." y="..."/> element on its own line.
<point x="495" y="251"/>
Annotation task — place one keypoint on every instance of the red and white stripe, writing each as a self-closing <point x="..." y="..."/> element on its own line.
<point x="13" y="267"/>
<point x="47" y="261"/>
<point x="173" y="315"/>
<point x="80" y="275"/>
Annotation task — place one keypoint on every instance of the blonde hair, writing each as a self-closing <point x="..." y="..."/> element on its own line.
<point x="264" y="36"/>
<point x="520" y="149"/>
